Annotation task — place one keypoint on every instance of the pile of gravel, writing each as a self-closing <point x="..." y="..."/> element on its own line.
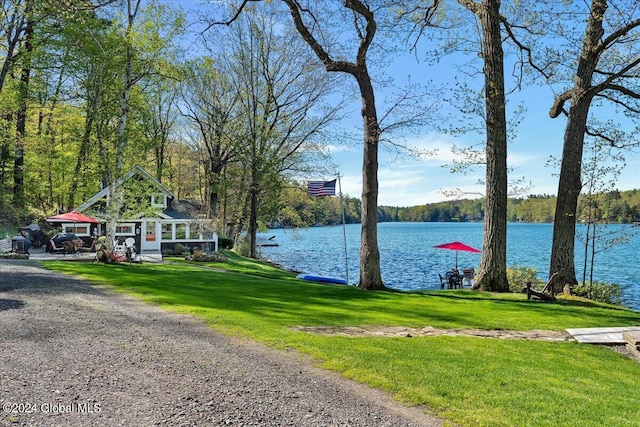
<point x="76" y="354"/>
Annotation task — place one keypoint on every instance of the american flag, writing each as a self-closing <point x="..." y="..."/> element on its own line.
<point x="322" y="188"/>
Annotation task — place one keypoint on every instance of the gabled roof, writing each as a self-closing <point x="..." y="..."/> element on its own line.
<point x="185" y="209"/>
<point x="136" y="170"/>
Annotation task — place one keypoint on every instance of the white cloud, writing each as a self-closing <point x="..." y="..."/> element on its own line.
<point x="516" y="159"/>
<point x="410" y="181"/>
<point x="438" y="149"/>
<point x="340" y="148"/>
<point x="411" y="184"/>
<point x="351" y="184"/>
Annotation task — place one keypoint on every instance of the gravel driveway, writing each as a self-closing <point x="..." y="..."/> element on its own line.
<point x="73" y="354"/>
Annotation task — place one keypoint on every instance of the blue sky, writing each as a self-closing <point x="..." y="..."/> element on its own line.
<point x="409" y="181"/>
<point x="405" y="181"/>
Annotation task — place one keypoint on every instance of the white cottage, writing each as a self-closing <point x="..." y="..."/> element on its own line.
<point x="173" y="221"/>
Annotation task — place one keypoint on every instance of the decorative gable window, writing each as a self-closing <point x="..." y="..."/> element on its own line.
<point x="158" y="200"/>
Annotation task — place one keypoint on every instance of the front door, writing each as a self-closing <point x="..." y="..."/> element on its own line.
<point x="150" y="237"/>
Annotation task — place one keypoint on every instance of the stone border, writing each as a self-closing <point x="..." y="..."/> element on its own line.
<point x="428" y="331"/>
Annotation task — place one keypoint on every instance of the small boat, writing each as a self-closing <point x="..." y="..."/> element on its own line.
<point x="267" y="242"/>
<point x="322" y="279"/>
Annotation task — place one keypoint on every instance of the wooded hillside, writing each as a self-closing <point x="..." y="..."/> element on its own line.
<point x="299" y="208"/>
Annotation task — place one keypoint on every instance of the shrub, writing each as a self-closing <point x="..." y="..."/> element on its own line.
<point x="212" y="257"/>
<point x="167" y="252"/>
<point x="518" y="276"/>
<point x="178" y="249"/>
<point x="243" y="247"/>
<point x="599" y="291"/>
<point x="225" y="242"/>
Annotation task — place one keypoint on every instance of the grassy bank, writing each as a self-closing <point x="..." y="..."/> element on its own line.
<point x="470" y="381"/>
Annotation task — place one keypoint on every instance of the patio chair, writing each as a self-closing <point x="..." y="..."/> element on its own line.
<point x="454" y="279"/>
<point x="443" y="282"/>
<point x="468" y="275"/>
<point x="66" y="247"/>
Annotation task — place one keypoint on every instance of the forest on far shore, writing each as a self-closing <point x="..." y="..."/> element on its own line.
<point x="299" y="209"/>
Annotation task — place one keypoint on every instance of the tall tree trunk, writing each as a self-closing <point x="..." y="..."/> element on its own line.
<point x="159" y="152"/>
<point x="80" y="161"/>
<point x="121" y="137"/>
<point x="212" y="193"/>
<point x="569" y="187"/>
<point x="93" y="100"/>
<point x="570" y="183"/>
<point x="46" y="129"/>
<point x="253" y="221"/>
<point x="493" y="265"/>
<point x="15" y="23"/>
<point x="21" y="118"/>
<point x="370" y="275"/>
<point x="6" y="123"/>
<point x="214" y="168"/>
<point x="115" y="201"/>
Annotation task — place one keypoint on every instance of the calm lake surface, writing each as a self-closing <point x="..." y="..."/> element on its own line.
<point x="410" y="262"/>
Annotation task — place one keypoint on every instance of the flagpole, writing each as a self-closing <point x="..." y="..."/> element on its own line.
<point x="344" y="233"/>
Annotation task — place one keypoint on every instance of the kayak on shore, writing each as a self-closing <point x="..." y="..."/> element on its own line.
<point x="322" y="279"/>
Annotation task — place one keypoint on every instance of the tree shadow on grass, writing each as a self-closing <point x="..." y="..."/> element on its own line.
<point x="489" y="296"/>
<point x="595" y="309"/>
<point x="288" y="300"/>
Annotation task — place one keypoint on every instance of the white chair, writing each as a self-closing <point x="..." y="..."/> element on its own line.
<point x="119" y="247"/>
<point x="130" y="243"/>
<point x="468" y="275"/>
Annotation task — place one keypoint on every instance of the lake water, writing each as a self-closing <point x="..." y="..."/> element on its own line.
<point x="409" y="261"/>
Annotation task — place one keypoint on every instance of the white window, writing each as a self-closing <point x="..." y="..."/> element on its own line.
<point x="125" y="229"/>
<point x="181" y="230"/>
<point x="167" y="231"/>
<point x="79" y="229"/>
<point x="194" y="231"/>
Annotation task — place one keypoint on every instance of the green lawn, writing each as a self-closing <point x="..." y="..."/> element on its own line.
<point x="469" y="381"/>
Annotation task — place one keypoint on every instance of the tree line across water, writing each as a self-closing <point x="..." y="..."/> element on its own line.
<point x="299" y="209"/>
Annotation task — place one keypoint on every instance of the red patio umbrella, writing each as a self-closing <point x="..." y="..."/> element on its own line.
<point x="73" y="216"/>
<point x="457" y="246"/>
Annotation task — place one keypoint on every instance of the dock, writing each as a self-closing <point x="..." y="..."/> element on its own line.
<point x="628" y="336"/>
